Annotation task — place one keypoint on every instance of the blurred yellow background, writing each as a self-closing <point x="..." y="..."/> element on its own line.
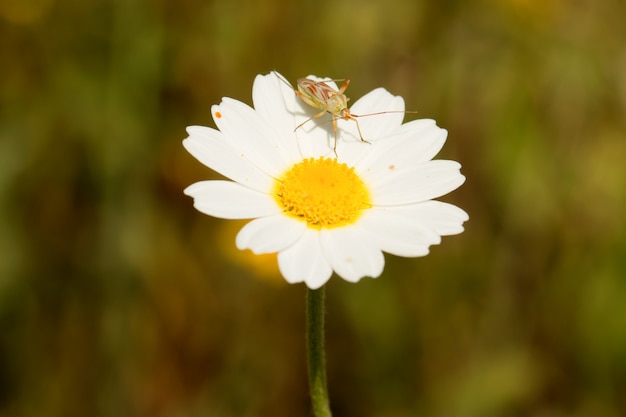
<point x="117" y="298"/>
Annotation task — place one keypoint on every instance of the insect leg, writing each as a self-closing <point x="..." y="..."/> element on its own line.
<point x="335" y="131"/>
<point x="344" y="86"/>
<point x="346" y="115"/>
<point x="315" y="116"/>
<point x="359" y="129"/>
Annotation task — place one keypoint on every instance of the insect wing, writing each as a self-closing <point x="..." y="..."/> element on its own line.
<point x="315" y="93"/>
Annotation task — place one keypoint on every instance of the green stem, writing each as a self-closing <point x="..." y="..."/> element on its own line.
<point x="315" y="351"/>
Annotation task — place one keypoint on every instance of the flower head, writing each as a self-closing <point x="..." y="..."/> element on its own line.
<point x="323" y="211"/>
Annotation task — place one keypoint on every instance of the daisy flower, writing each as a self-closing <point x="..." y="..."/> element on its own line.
<point x="324" y="209"/>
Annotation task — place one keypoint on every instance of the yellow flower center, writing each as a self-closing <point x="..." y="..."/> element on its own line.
<point x="322" y="192"/>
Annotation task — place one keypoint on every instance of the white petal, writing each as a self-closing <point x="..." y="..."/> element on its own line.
<point x="230" y="200"/>
<point x="250" y="135"/>
<point x="374" y="126"/>
<point x="411" y="143"/>
<point x="207" y="146"/>
<point x="275" y="100"/>
<point x="316" y="136"/>
<point x="270" y="234"/>
<point x="351" y="255"/>
<point x="304" y="261"/>
<point x="399" y="233"/>
<point x="408" y="184"/>
<point x="443" y="218"/>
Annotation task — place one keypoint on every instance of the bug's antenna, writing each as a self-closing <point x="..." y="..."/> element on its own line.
<point x="283" y="79"/>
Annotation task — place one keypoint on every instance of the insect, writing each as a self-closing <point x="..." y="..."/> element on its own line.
<point x="321" y="96"/>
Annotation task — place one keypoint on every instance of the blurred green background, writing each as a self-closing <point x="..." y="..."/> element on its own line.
<point x="117" y="298"/>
